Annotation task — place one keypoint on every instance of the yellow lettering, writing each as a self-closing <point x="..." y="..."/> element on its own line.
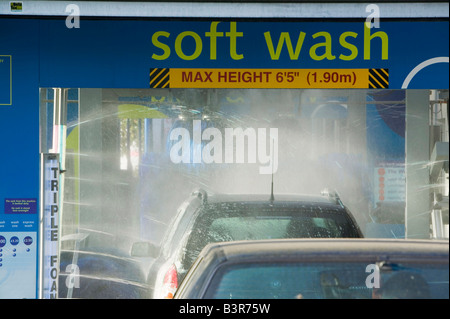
<point x="327" y="44"/>
<point x="233" y="34"/>
<point x="353" y="49"/>
<point x="284" y="37"/>
<point x="213" y="34"/>
<point x="369" y="37"/>
<point x="198" y="45"/>
<point x="160" y="45"/>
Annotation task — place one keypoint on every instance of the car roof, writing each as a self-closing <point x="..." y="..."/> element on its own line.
<point x="326" y="249"/>
<point x="318" y="250"/>
<point x="265" y="198"/>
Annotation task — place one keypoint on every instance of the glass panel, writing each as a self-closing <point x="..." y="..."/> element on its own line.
<point x="130" y="157"/>
<point x="327" y="281"/>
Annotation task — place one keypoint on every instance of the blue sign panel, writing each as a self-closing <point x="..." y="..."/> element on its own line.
<point x="5" y="80"/>
<point x="120" y="54"/>
<point x="18" y="264"/>
<point x="20" y="206"/>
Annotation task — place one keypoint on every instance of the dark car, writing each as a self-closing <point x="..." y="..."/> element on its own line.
<point x="320" y="269"/>
<point x="98" y="275"/>
<point x="206" y="218"/>
<point x="101" y="272"/>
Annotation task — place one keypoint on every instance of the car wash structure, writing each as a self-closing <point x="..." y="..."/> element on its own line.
<point x="110" y="114"/>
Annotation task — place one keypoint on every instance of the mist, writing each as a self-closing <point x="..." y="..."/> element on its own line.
<point x="316" y="149"/>
<point x="313" y="153"/>
<point x="121" y="185"/>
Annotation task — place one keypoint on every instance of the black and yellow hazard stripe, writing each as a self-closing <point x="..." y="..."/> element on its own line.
<point x="378" y="78"/>
<point x="159" y="78"/>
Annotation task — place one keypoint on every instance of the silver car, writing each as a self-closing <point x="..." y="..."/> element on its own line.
<point x="207" y="218"/>
<point x="320" y="269"/>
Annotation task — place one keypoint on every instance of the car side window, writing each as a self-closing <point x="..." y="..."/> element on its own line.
<point x="181" y="225"/>
<point x="329" y="280"/>
<point x="194" y="242"/>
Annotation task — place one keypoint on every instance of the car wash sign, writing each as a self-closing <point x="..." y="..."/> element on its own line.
<point x="293" y="46"/>
<point x="395" y="54"/>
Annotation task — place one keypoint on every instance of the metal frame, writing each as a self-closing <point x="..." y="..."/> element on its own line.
<point x="259" y="10"/>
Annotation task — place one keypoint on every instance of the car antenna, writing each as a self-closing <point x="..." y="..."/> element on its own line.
<point x="272" y="198"/>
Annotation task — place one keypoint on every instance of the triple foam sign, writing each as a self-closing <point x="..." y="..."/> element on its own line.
<point x="50" y="226"/>
<point x="269" y="78"/>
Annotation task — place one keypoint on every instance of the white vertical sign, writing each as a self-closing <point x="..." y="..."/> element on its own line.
<point x="49" y="227"/>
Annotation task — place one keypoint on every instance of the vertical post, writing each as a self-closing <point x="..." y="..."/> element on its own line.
<point x="356" y="124"/>
<point x="356" y="149"/>
<point x="438" y="228"/>
<point x="59" y="140"/>
<point x="91" y="164"/>
<point x="148" y="136"/>
<point x="417" y="214"/>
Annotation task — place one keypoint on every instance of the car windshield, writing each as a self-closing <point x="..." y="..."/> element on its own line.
<point x="267" y="227"/>
<point x="239" y="221"/>
<point x="328" y="281"/>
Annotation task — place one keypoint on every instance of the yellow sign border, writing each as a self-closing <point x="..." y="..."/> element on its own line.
<point x="275" y="78"/>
